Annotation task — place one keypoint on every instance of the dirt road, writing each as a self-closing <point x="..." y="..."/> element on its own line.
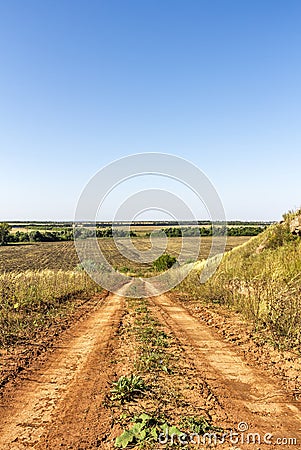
<point x="246" y="393"/>
<point x="61" y="401"/>
<point x="60" y="404"/>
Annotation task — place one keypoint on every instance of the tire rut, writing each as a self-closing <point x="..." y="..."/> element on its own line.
<point x="54" y="407"/>
<point x="246" y="393"/>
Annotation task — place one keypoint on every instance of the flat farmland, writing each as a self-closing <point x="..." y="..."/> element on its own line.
<point x="62" y="255"/>
<point x="42" y="255"/>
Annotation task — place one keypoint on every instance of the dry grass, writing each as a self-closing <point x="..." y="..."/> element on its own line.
<point x="262" y="280"/>
<point x="32" y="300"/>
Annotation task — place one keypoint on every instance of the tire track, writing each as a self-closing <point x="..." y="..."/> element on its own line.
<point x="246" y="393"/>
<point x="52" y="408"/>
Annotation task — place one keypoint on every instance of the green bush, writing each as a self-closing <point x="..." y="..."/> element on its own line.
<point x="279" y="235"/>
<point x="164" y="262"/>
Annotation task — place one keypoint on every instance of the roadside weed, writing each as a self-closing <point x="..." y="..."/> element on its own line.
<point x="127" y="388"/>
<point x="199" y="425"/>
<point x="146" y="429"/>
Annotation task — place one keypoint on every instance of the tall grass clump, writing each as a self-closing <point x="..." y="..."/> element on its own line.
<point x="31" y="300"/>
<point x="262" y="280"/>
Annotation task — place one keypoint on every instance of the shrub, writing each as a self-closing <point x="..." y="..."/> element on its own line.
<point x="164" y="262"/>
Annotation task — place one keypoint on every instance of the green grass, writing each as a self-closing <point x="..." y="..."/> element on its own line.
<point x="153" y="340"/>
<point x="143" y="429"/>
<point x="159" y="413"/>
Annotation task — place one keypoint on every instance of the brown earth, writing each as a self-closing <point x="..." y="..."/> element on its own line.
<point x="66" y="392"/>
<point x="62" y="255"/>
<point x="16" y="358"/>
<point x="246" y="392"/>
<point x="58" y="402"/>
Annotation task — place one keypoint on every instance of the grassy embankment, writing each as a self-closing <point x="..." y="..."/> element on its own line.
<point x="32" y="300"/>
<point x="262" y="280"/>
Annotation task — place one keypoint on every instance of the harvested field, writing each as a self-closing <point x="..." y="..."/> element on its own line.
<point x="62" y="255"/>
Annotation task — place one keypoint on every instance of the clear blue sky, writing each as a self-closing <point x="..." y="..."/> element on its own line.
<point x="85" y="82"/>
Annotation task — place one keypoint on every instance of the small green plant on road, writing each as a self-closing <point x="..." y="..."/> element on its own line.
<point x="127" y="388"/>
<point x="146" y="429"/>
<point x="199" y="425"/>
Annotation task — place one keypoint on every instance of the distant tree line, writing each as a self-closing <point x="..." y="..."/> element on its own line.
<point x="67" y="234"/>
<point x="208" y="231"/>
<point x="110" y="232"/>
<point x="38" y="236"/>
<point x="84" y="233"/>
<point x="245" y="231"/>
<point x="63" y="235"/>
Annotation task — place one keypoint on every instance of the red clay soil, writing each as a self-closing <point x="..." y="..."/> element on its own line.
<point x="59" y="402"/>
<point x="246" y="392"/>
<point x="59" y="405"/>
